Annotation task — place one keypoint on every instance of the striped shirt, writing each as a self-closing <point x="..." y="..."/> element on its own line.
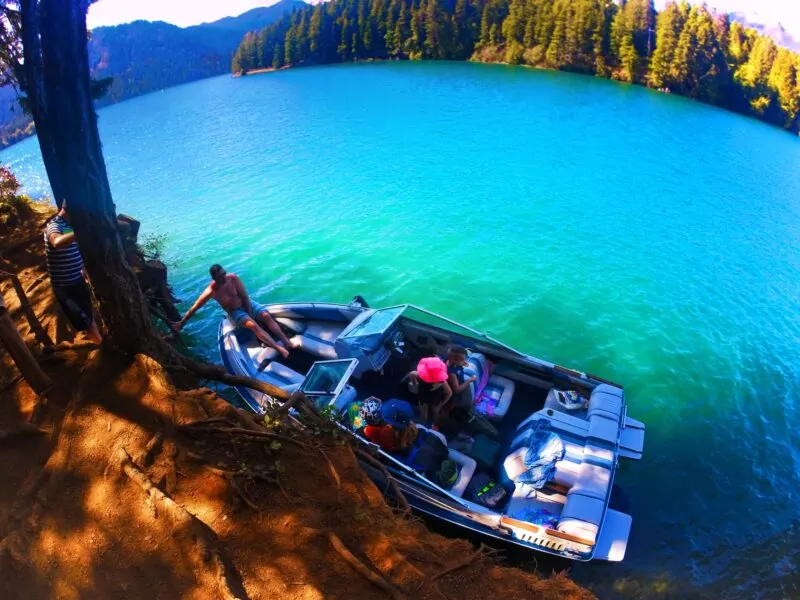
<point x="65" y="263"/>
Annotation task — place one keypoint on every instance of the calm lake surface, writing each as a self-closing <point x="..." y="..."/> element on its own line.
<point x="642" y="237"/>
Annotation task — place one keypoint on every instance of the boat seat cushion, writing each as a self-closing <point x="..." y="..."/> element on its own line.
<point x="495" y="398"/>
<point x="318" y="339"/>
<point x="603" y="429"/>
<point x="605" y="401"/>
<point x="296" y="325"/>
<point x="281" y="376"/>
<point x="598" y="455"/>
<point x="582" y="516"/>
<point x="592" y="481"/>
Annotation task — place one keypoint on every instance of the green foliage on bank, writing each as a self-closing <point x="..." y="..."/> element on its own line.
<point x="687" y="49"/>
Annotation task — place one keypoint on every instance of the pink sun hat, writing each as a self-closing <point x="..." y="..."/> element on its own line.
<point x="432" y="370"/>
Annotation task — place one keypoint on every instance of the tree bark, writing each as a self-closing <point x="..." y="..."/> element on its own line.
<point x="31" y="80"/>
<point x="12" y="341"/>
<point x="58" y="86"/>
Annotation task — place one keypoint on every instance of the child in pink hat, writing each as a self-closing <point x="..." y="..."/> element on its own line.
<point x="433" y="390"/>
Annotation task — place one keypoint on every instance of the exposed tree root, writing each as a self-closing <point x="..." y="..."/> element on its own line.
<point x="77" y="346"/>
<point x="244" y="432"/>
<point x="201" y="426"/>
<point x="480" y="553"/>
<point x="36" y="282"/>
<point x="335" y="475"/>
<point x="152" y="448"/>
<point x="206" y="371"/>
<point x="360" y="568"/>
<point x="210" y="421"/>
<point x="285" y="494"/>
<point x="390" y="481"/>
<point x="229" y="476"/>
<point x="228" y="580"/>
<point x="20" y="430"/>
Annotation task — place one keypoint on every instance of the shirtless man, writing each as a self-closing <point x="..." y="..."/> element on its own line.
<point x="227" y="289"/>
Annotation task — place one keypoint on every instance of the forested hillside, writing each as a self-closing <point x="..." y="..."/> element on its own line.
<point x="686" y="49"/>
<point x="146" y="56"/>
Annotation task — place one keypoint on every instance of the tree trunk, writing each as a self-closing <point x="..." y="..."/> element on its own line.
<point x="30" y="77"/>
<point x="58" y="86"/>
<point x="12" y="341"/>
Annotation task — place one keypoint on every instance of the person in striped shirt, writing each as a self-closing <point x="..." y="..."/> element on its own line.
<point x="65" y="265"/>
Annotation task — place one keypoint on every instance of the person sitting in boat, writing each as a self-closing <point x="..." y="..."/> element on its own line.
<point x="228" y="290"/>
<point x="433" y="391"/>
<point x="388" y="437"/>
<point x="456" y="363"/>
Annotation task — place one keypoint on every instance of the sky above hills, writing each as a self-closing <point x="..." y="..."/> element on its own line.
<point x="178" y="12"/>
<point x="192" y="12"/>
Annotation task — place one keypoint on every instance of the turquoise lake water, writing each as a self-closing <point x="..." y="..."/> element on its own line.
<point x="639" y="236"/>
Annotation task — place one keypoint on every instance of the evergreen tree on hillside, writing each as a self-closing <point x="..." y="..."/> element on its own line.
<point x="556" y="51"/>
<point x="691" y="50"/>
<point x="402" y="32"/>
<point x="641" y="20"/>
<point x="669" y="26"/>
<point x="784" y="80"/>
<point x="753" y="75"/>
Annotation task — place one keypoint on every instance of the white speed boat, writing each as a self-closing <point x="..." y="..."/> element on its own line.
<point x="346" y="353"/>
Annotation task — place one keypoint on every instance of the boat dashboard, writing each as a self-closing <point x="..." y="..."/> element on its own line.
<point x="371" y="338"/>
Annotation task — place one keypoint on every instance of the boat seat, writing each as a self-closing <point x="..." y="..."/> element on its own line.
<point x="528" y="504"/>
<point x="318" y="339"/>
<point x="281" y="376"/>
<point x="593" y="481"/>
<point x="466" y="471"/>
<point x="493" y="393"/>
<point x="498" y="393"/>
<point x="565" y="422"/>
<point x="566" y="470"/>
<point x="582" y="516"/>
<point x="586" y="499"/>
<point x="296" y="325"/>
<point x="605" y="401"/>
<point x="467" y="465"/>
<point x="574" y="448"/>
<point x="580" y="456"/>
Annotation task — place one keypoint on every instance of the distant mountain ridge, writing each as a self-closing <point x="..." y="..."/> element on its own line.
<point x="145" y="56"/>
<point x="775" y="30"/>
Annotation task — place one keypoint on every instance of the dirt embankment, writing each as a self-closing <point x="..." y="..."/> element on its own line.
<point x="141" y="486"/>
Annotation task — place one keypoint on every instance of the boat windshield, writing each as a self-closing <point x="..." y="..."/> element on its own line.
<point x="425" y="317"/>
<point x="327" y="377"/>
<point x="378" y="322"/>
